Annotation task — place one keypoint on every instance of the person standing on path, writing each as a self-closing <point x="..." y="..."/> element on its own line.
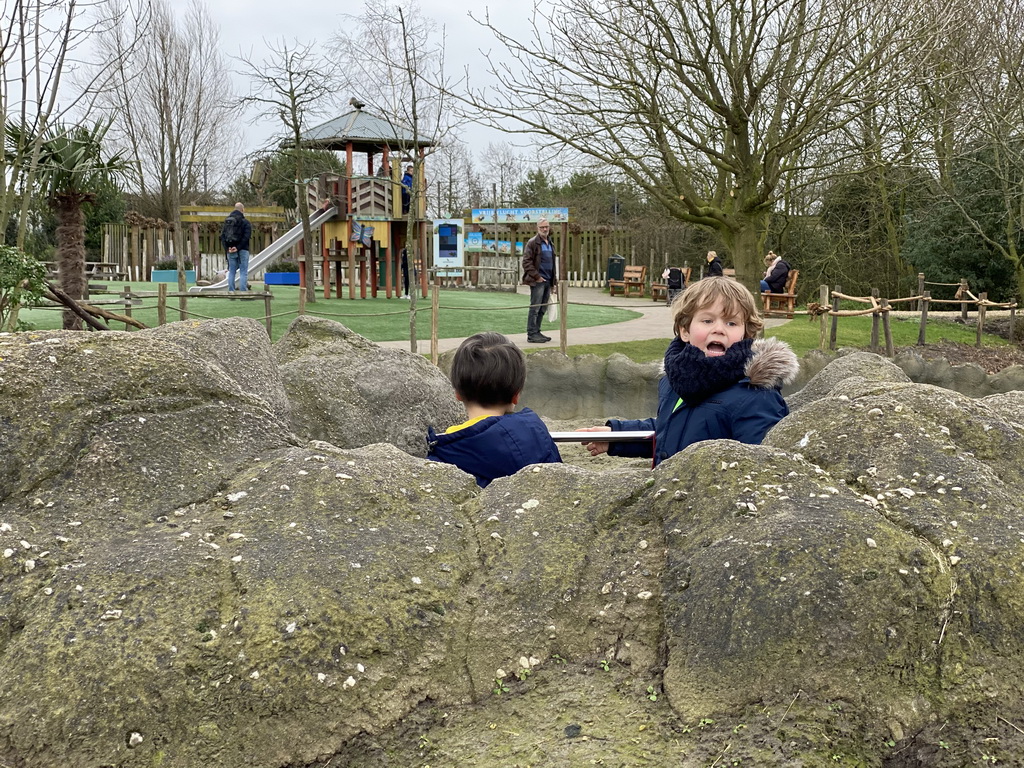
<point x="539" y="274"/>
<point x="235" y="237"/>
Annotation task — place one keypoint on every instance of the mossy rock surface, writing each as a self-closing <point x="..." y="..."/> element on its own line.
<point x="185" y="581"/>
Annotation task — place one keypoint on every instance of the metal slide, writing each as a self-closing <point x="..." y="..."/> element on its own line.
<point x="263" y="258"/>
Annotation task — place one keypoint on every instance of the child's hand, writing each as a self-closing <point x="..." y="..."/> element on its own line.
<point x="595" y="448"/>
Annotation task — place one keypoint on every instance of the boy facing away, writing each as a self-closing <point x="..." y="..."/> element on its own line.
<point x="718" y="381"/>
<point x="488" y="374"/>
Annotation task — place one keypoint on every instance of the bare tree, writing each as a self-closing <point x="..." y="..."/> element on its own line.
<point x="706" y="107"/>
<point x="977" y="106"/>
<point x="400" y="53"/>
<point x="39" y="40"/>
<point x="457" y="184"/>
<point x="505" y="168"/>
<point x="293" y="85"/>
<point x="171" y="104"/>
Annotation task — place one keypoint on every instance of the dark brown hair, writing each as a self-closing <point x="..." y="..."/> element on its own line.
<point x="488" y="370"/>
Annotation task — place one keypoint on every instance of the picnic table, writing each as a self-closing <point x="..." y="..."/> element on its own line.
<point x="100" y="270"/>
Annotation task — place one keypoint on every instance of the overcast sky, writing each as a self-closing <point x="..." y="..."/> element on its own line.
<point x="246" y="27"/>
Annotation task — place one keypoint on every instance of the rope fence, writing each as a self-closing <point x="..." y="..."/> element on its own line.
<point x="880" y="310"/>
<point x="826" y="309"/>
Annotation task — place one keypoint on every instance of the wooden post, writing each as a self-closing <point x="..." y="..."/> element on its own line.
<point x="563" y="293"/>
<point x="389" y="275"/>
<point x="1013" y="324"/>
<point x="197" y="258"/>
<point x="362" y="275"/>
<point x="161" y="304"/>
<point x="267" y="296"/>
<point x="835" y="319"/>
<point x="887" y="328"/>
<point x="351" y="250"/>
<point x="982" y="298"/>
<point x="435" y="302"/>
<point x="126" y="294"/>
<point x="920" y="288"/>
<point x="874" y="324"/>
<point x="424" y="261"/>
<point x="823" y="330"/>
<point x="963" y="297"/>
<point x="924" y="318"/>
<point x="302" y="300"/>
<point x="371" y="254"/>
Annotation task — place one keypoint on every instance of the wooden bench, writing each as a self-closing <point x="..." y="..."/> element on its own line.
<point x="782" y="304"/>
<point x="659" y="291"/>
<point x="633" y="279"/>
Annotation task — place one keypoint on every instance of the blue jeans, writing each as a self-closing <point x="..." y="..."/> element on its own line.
<point x="765" y="288"/>
<point x="238" y="262"/>
<point x="539" y="295"/>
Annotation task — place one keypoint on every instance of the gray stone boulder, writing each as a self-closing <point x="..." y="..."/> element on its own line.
<point x="856" y="365"/>
<point x="107" y="427"/>
<point x="239" y="346"/>
<point x="350" y="392"/>
<point x="178" y="592"/>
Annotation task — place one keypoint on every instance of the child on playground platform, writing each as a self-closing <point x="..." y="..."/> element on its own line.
<point x="718" y="381"/>
<point x="488" y="374"/>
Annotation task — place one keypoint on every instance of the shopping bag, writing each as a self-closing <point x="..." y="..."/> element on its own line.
<point x="551" y="315"/>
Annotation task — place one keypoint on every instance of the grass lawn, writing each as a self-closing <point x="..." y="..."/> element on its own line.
<point x="802" y="336"/>
<point x="463" y="313"/>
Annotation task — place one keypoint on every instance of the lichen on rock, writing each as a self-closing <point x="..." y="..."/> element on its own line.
<point x="193" y="572"/>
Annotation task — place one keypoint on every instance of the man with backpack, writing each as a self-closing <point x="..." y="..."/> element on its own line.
<point x="234" y="235"/>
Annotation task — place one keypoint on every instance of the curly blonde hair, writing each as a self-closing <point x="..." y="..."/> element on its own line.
<point x="734" y="295"/>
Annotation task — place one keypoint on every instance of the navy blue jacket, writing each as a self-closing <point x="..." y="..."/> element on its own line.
<point x="744" y="411"/>
<point x="497" y="446"/>
<point x="715" y="267"/>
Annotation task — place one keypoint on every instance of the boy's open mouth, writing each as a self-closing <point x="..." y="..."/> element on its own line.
<point x="714" y="349"/>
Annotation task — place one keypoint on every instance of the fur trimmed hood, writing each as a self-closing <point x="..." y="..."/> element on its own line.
<point x="772" y="364"/>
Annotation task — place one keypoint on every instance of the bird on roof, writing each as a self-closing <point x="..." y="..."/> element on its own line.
<point x="356" y="103"/>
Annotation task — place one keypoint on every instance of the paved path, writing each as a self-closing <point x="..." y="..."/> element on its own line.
<point x="656" y="323"/>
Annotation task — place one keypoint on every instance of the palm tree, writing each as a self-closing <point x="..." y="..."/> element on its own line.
<point x="71" y="168"/>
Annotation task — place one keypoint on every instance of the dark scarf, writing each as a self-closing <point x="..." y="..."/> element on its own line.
<point x="694" y="376"/>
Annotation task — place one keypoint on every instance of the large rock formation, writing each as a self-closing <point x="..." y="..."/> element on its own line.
<point x="184" y="580"/>
<point x="347" y="390"/>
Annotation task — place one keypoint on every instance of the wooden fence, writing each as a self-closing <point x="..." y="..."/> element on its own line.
<point x="135" y="249"/>
<point x="880" y="310"/>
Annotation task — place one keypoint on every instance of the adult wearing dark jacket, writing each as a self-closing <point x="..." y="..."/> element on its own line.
<point x="714" y="265"/>
<point x="539" y="274"/>
<point x="775" y="275"/>
<point x="237" y="250"/>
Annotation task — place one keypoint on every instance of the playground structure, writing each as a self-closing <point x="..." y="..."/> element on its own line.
<point x="368" y="225"/>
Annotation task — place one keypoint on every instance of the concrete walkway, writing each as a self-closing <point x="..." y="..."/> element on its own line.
<point x="656" y="323"/>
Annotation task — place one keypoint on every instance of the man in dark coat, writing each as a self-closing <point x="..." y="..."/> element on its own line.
<point x="540" y="274"/>
<point x="234" y="235"/>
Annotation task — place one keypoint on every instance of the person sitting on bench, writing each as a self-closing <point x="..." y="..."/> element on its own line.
<point x="775" y="274"/>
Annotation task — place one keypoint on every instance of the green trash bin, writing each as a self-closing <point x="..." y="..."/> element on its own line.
<point x="616" y="268"/>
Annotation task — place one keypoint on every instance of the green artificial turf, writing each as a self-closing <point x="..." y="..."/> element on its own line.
<point x="462" y="313"/>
